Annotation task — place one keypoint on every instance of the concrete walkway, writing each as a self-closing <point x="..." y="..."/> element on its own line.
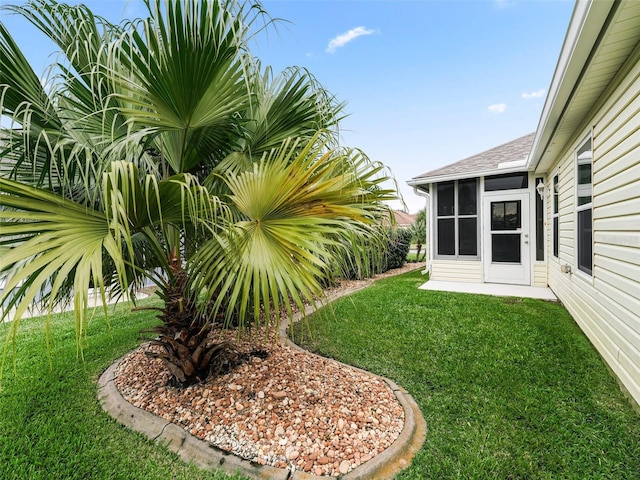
<point x="94" y="300"/>
<point x="495" y="289"/>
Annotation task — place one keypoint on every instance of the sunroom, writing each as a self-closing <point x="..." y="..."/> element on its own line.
<point x="485" y="218"/>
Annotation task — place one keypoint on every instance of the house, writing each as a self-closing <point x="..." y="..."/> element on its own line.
<point x="463" y="245"/>
<point x="399" y="219"/>
<point x="404" y="219"/>
<point x="561" y="207"/>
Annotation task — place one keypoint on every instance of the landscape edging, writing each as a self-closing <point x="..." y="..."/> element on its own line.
<point x="384" y="465"/>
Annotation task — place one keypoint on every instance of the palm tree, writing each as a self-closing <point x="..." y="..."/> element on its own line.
<point x="419" y="232"/>
<point x="163" y="151"/>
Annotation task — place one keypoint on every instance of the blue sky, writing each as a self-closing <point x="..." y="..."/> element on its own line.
<point x="426" y="82"/>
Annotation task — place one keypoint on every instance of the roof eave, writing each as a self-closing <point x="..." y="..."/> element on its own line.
<point x="415" y="182"/>
<point x="587" y="20"/>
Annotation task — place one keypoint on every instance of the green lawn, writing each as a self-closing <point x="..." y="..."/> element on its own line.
<point x="413" y="257"/>
<point x="509" y="389"/>
<point x="51" y="424"/>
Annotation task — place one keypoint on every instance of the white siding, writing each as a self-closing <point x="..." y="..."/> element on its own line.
<point x="607" y="304"/>
<point x="539" y="274"/>
<point x="457" y="271"/>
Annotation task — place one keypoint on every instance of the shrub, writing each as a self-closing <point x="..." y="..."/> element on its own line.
<point x="399" y="243"/>
<point x="395" y="254"/>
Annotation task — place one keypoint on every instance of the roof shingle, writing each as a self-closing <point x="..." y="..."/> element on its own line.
<point x="486" y="161"/>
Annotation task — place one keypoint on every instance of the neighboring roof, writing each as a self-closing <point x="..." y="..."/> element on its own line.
<point x="404" y="219"/>
<point x="508" y="157"/>
<point x="601" y="37"/>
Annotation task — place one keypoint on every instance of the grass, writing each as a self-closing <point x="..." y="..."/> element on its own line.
<point x="413" y="257"/>
<point x="51" y="424"/>
<point x="509" y="389"/>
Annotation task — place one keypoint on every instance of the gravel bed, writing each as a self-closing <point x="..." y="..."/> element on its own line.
<point x="292" y="410"/>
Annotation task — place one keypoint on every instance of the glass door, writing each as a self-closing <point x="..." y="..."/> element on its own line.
<point x="506" y="239"/>
<point x="506" y="229"/>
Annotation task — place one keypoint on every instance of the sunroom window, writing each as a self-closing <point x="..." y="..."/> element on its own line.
<point x="457" y="218"/>
<point x="584" y="164"/>
<point x="507" y="181"/>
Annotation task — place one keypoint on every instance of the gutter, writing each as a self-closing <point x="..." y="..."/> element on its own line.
<point x="428" y="232"/>
<point x="417" y="181"/>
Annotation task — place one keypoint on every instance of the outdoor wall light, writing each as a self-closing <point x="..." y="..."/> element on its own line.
<point x="540" y="189"/>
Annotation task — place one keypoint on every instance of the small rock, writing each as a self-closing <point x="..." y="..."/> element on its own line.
<point x="260" y="394"/>
<point x="345" y="465"/>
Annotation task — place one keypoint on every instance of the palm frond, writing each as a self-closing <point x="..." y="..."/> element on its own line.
<point x="181" y="71"/>
<point x="35" y="122"/>
<point x="55" y="249"/>
<point x="80" y="35"/>
<point x="295" y="205"/>
<point x="291" y="104"/>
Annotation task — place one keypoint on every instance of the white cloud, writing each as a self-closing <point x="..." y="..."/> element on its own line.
<point x="344" y="38"/>
<point x="536" y="94"/>
<point x="497" y="108"/>
<point x="501" y="4"/>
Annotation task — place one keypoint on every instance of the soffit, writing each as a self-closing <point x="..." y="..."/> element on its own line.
<point x="615" y="46"/>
